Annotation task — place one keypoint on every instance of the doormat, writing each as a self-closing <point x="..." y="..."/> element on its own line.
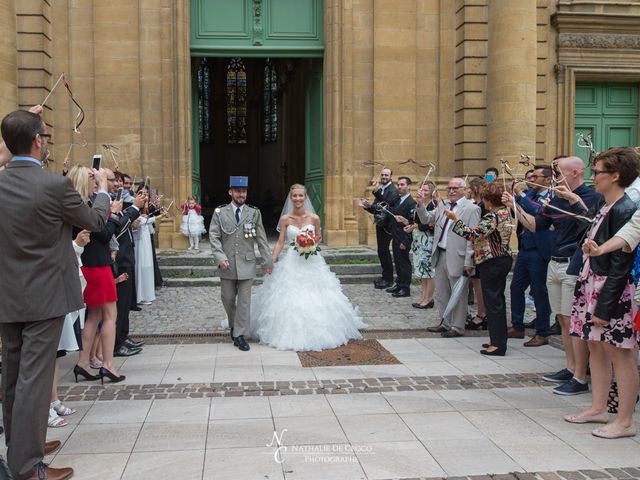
<point x="356" y="352"/>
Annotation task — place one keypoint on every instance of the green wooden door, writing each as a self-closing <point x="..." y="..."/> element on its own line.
<point x="257" y="28"/>
<point x="196" y="184"/>
<point x="314" y="141"/>
<point x="266" y="29"/>
<point x="607" y="111"/>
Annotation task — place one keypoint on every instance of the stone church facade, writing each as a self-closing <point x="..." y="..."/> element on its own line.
<point x="456" y="83"/>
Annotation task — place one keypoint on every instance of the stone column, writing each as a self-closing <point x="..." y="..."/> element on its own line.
<point x="8" y="58"/>
<point x="511" y="80"/>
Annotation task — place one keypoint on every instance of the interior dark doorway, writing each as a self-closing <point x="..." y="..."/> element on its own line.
<point x="271" y="161"/>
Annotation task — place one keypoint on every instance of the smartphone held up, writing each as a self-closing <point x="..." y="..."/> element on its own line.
<point x="97" y="162"/>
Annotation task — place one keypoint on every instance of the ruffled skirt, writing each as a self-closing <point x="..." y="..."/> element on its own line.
<point x="301" y="307"/>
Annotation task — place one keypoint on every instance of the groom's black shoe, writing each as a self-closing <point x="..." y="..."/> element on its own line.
<point x="241" y="343"/>
<point x="401" y="292"/>
<point x="381" y="283"/>
<point x="393" y="289"/>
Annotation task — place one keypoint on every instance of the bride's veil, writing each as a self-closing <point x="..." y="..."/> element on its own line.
<point x="288" y="208"/>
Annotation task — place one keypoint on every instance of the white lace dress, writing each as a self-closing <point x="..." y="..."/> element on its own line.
<point x="300" y="306"/>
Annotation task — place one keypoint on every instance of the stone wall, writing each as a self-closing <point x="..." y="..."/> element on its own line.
<point x="127" y="62"/>
<point x="460" y="83"/>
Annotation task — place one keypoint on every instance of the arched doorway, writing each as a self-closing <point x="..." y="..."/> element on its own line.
<point x="257" y="100"/>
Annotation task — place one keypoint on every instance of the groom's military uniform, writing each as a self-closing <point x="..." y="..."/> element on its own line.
<point x="233" y="236"/>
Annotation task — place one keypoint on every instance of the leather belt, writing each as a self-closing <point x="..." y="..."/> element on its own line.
<point x="561" y="259"/>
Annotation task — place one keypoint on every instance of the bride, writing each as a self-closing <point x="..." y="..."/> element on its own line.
<point x="301" y="306"/>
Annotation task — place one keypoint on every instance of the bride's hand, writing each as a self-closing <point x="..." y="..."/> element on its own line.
<point x="268" y="271"/>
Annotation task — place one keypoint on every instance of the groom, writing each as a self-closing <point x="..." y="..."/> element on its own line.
<point x="234" y="231"/>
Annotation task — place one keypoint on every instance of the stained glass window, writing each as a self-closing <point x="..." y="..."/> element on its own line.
<point x="204" y="104"/>
<point x="236" y="102"/>
<point x="270" y="109"/>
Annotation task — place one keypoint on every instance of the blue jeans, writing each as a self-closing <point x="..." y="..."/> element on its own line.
<point x="530" y="270"/>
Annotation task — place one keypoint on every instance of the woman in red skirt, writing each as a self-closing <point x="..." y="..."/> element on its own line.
<point x="100" y="293"/>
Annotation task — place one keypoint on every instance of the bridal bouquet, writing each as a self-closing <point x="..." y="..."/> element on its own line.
<point x="306" y="243"/>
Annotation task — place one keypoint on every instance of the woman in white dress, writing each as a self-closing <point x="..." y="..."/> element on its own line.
<point x="301" y="306"/>
<point x="145" y="284"/>
<point x="68" y="342"/>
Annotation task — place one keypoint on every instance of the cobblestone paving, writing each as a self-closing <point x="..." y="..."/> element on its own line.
<point x="313" y="387"/>
<point x="608" y="473"/>
<point x="199" y="310"/>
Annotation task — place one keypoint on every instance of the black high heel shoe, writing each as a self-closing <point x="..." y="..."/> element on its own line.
<point x="78" y="370"/>
<point x="103" y="372"/>
<point x="482" y="325"/>
<point x="494" y="353"/>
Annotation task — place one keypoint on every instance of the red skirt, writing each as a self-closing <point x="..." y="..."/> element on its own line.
<point x="636" y="322"/>
<point x="100" y="288"/>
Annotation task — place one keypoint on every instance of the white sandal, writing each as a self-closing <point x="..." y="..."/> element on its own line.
<point x="61" y="410"/>
<point x="56" y="421"/>
<point x="95" y="363"/>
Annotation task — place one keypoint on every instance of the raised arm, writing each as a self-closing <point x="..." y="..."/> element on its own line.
<point x="627" y="239"/>
<point x="528" y="221"/>
<point x="484" y="228"/>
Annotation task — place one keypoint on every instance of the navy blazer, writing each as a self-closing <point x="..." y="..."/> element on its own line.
<point x="126" y="255"/>
<point x="543" y="239"/>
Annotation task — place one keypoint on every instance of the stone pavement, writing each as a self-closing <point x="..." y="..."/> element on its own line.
<point x="195" y="407"/>
<point x="209" y="411"/>
<point x="199" y="310"/>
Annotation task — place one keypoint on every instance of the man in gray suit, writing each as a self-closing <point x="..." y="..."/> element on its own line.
<point x="39" y="285"/>
<point x="235" y="229"/>
<point x="452" y="255"/>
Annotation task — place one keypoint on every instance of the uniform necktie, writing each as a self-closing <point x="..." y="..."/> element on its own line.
<point x="238" y="215"/>
<point x="446" y="223"/>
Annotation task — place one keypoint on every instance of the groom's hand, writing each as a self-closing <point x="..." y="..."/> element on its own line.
<point x="224" y="264"/>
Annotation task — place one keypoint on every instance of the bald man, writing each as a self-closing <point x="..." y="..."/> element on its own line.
<point x="566" y="260"/>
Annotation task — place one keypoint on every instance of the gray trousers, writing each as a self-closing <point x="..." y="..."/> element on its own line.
<point x="444" y="284"/>
<point x="28" y="359"/>
<point x="236" y="299"/>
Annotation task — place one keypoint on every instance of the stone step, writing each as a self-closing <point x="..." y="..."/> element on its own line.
<point x="210" y="271"/>
<point x="176" y="271"/>
<point x="346" y="273"/>
<point x="215" y="281"/>
<point x="204" y="257"/>
<point x="182" y="260"/>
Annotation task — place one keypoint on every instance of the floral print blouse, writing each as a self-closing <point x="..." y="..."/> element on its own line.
<point x="490" y="237"/>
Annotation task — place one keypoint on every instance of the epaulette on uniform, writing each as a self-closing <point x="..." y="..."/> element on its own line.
<point x="220" y="207"/>
<point x="252" y="206"/>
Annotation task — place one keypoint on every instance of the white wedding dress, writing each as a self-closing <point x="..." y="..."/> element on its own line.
<point x="300" y="306"/>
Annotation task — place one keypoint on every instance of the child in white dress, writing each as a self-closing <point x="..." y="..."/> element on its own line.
<point x="192" y="222"/>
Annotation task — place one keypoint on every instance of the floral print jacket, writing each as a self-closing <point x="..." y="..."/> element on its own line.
<point x="490" y="237"/>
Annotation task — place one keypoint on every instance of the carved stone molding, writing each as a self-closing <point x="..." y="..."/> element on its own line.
<point x="559" y="70"/>
<point x="608" y="41"/>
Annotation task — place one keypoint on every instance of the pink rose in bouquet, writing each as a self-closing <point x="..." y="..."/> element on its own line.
<point x="306" y="243"/>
